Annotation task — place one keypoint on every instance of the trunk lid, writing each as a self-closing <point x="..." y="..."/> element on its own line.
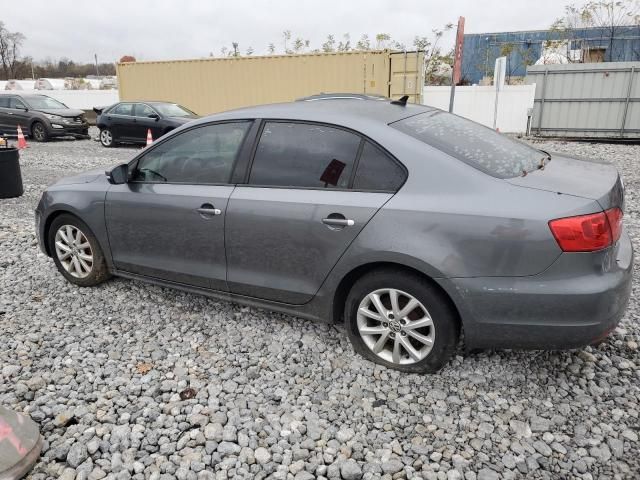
<point x="569" y="175"/>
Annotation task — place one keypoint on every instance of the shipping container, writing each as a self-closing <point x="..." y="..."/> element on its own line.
<point x="586" y="100"/>
<point x="216" y="84"/>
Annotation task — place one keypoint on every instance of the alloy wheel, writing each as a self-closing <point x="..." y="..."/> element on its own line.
<point x="106" y="138"/>
<point x="38" y="132"/>
<point x="395" y="326"/>
<point x="74" y="251"/>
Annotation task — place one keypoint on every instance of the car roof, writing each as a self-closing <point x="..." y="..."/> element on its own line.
<point x="348" y="112"/>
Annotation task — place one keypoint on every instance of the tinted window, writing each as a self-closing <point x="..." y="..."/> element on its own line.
<point x="143" y="110"/>
<point x="4" y="101"/>
<point x="16" y="103"/>
<point x="377" y="171"/>
<point x="479" y="146"/>
<point x="304" y="155"/>
<point x="199" y="156"/>
<point x="123" y="109"/>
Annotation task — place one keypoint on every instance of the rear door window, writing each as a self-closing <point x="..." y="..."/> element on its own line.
<point x="125" y="109"/>
<point x="16" y="103"/>
<point x="378" y="171"/>
<point x="4" y="101"/>
<point x="472" y="143"/>
<point x="305" y="155"/>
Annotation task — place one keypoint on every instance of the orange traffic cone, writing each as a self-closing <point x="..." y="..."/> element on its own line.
<point x="149" y="137"/>
<point x="22" y="142"/>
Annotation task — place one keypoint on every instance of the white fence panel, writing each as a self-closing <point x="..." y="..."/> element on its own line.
<point x="82" y="99"/>
<point x="477" y="103"/>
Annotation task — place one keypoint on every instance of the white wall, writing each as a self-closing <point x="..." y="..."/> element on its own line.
<point x="82" y="99"/>
<point x="477" y="103"/>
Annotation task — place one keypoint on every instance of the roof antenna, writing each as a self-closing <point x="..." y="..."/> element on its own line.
<point x="401" y="101"/>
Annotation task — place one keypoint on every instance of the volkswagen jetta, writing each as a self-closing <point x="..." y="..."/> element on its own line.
<point x="407" y="223"/>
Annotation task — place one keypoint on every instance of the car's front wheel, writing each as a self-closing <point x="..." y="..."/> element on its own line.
<point x="106" y="138"/>
<point x="76" y="252"/>
<point x="39" y="132"/>
<point x="401" y="320"/>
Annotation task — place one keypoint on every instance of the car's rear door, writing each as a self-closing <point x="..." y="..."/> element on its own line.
<point x="288" y="226"/>
<point x="168" y="221"/>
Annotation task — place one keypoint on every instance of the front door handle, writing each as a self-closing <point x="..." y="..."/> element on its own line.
<point x="208" y="209"/>
<point x="339" y="222"/>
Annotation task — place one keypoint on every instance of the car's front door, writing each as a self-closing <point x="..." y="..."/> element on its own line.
<point x="167" y="222"/>
<point x="121" y="120"/>
<point x="287" y="228"/>
<point x="18" y="115"/>
<point x="4" y="115"/>
<point x="143" y="122"/>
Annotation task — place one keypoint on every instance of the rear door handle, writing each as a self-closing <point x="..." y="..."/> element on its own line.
<point x="339" y="222"/>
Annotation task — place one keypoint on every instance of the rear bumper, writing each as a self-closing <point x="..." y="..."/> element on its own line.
<point x="575" y="302"/>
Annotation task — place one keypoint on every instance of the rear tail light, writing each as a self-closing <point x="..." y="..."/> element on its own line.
<point x="587" y="233"/>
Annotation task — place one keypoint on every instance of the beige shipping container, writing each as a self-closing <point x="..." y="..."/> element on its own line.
<point x="216" y="84"/>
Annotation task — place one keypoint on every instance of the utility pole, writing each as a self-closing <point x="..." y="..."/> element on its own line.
<point x="457" y="62"/>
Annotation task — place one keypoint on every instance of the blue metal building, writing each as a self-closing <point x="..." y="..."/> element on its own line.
<point x="524" y="48"/>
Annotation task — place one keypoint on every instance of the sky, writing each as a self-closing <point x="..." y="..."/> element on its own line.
<point x="168" y="29"/>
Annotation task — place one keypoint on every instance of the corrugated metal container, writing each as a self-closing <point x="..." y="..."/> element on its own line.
<point x="216" y="84"/>
<point x="586" y="100"/>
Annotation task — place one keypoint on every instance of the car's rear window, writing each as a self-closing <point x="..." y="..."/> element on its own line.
<point x="475" y="144"/>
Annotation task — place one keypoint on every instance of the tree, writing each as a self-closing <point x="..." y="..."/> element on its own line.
<point x="287" y="36"/>
<point x="329" y="45"/>
<point x="610" y="16"/>
<point x="363" y="43"/>
<point x="298" y="45"/>
<point x="382" y="40"/>
<point x="249" y="51"/>
<point x="271" y="49"/>
<point x="236" y="52"/>
<point x="126" y="59"/>
<point x="345" y="43"/>
<point x="10" y="43"/>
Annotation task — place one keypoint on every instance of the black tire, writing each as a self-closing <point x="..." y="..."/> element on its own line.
<point x="106" y="138"/>
<point x="39" y="132"/>
<point x="446" y="325"/>
<point x="98" y="272"/>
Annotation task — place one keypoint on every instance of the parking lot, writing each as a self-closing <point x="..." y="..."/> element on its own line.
<point x="128" y="380"/>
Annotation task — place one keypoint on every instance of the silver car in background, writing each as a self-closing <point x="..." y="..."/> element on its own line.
<point x="404" y="222"/>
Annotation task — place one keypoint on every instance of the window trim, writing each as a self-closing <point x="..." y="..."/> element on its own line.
<point x="363" y="138"/>
<point x="135" y="161"/>
<point x="135" y="109"/>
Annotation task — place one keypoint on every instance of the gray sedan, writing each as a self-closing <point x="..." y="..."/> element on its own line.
<point x="404" y="222"/>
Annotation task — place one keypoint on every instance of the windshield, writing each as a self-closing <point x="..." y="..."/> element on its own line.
<point x="475" y="144"/>
<point x="172" y="110"/>
<point x="41" y="102"/>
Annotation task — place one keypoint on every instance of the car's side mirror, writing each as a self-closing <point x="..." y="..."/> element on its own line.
<point x="118" y="175"/>
<point x="154" y="115"/>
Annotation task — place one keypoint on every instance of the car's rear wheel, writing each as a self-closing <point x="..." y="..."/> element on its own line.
<point x="106" y="138"/>
<point x="39" y="132"/>
<point x="76" y="252"/>
<point x="400" y="320"/>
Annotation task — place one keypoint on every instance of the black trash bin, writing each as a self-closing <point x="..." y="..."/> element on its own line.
<point x="10" y="176"/>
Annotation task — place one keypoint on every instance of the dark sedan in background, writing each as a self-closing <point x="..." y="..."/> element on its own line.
<point x="40" y="117"/>
<point x="129" y="122"/>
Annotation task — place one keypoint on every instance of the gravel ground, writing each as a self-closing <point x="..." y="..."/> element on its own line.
<point x="129" y="380"/>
